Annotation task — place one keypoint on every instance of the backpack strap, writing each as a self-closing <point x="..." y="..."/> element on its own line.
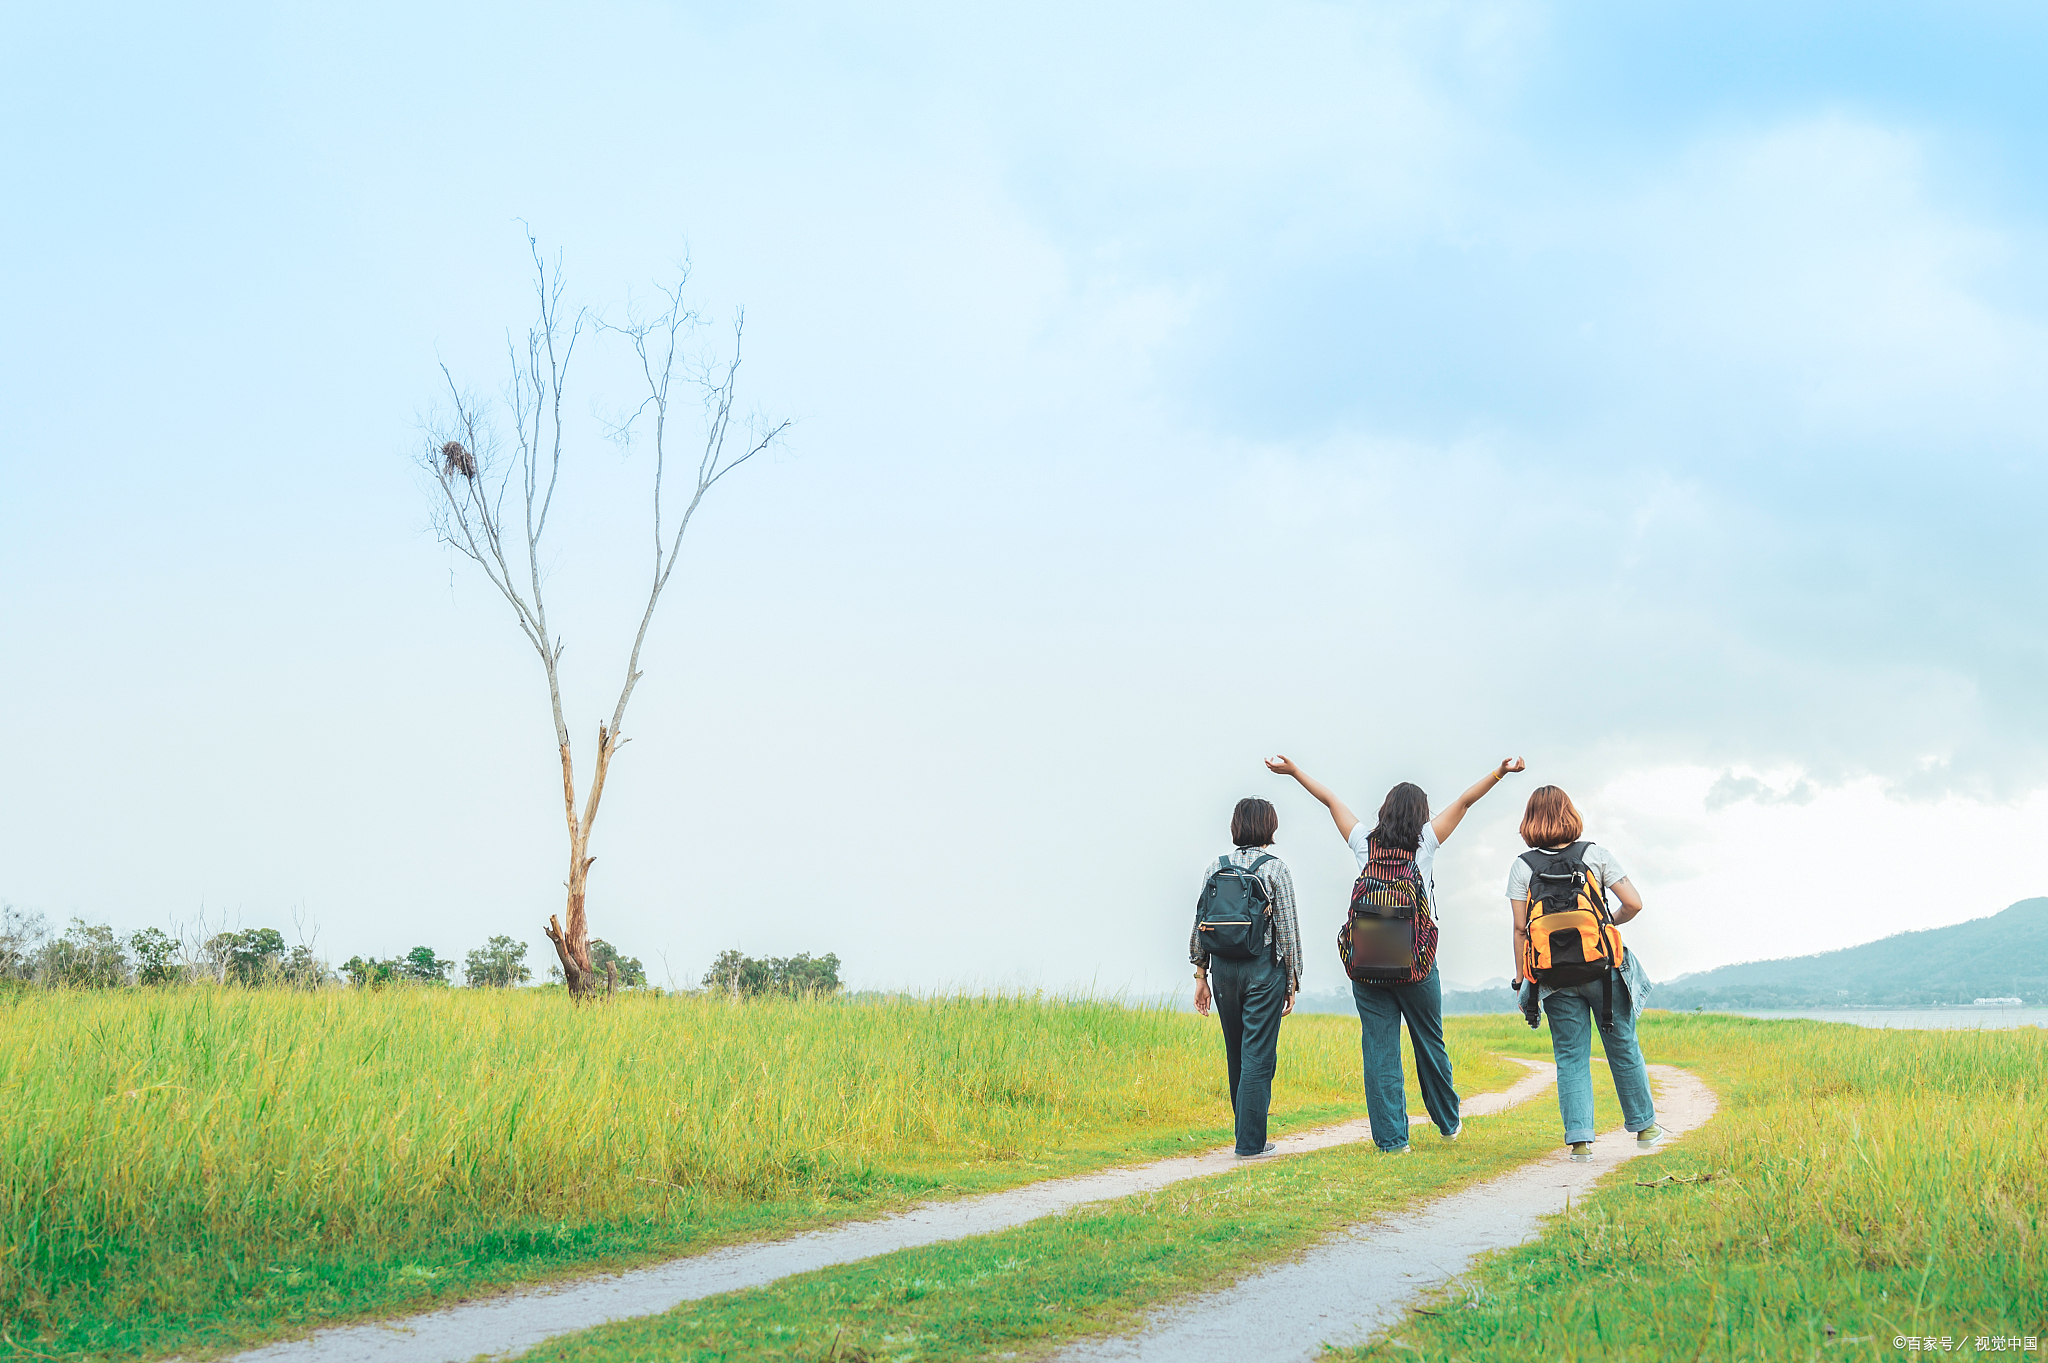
<point x="1222" y="865"/>
<point x="1577" y="851"/>
<point x="1253" y="871"/>
<point x="1533" y="859"/>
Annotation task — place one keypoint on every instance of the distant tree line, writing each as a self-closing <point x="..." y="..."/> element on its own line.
<point x="93" y="956"/>
<point x="744" y="977"/>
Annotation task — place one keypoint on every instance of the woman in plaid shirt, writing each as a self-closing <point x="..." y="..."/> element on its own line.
<point x="1252" y="996"/>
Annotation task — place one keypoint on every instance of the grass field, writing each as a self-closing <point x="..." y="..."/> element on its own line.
<point x="187" y="1169"/>
<point x="1023" y="1292"/>
<point x="183" y="1169"/>
<point x="1876" y="1184"/>
<point x="1857" y="1188"/>
<point x="1879" y="1184"/>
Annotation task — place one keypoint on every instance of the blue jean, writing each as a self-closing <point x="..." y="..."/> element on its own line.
<point x="1249" y="996"/>
<point x="1573" y="1012"/>
<point x="1381" y="1010"/>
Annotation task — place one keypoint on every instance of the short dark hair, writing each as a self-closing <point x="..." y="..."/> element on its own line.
<point x="1254" y="822"/>
<point x="1551" y="819"/>
<point x="1402" y="815"/>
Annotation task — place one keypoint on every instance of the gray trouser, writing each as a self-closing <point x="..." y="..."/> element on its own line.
<point x="1249" y="996"/>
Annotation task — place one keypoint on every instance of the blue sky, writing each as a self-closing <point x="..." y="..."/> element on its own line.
<point x="1654" y="392"/>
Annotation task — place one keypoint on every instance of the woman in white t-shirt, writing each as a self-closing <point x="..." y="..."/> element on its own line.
<point x="1404" y="831"/>
<point x="1552" y="829"/>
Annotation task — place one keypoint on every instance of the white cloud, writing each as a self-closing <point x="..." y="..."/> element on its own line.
<point x="1701" y="475"/>
<point x="1812" y="272"/>
<point x="1749" y="879"/>
<point x="1730" y="789"/>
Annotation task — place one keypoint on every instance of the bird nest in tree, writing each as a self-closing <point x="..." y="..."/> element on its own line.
<point x="455" y="459"/>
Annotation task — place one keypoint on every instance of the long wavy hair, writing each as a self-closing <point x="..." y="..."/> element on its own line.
<point x="1402" y="815"/>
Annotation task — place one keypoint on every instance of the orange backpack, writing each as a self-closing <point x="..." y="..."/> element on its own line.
<point x="1571" y="938"/>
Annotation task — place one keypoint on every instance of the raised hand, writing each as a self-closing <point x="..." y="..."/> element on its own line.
<point x="1447" y="822"/>
<point x="1283" y="765"/>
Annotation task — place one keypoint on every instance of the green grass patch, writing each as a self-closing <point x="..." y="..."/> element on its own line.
<point x="1024" y="1292"/>
<point x="1856" y="1187"/>
<point x="191" y="1169"/>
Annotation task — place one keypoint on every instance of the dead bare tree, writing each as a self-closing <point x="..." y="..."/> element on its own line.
<point x="474" y="478"/>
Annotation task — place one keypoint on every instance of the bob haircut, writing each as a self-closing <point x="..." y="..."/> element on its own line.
<point x="1254" y="822"/>
<point x="1402" y="815"/>
<point x="1551" y="820"/>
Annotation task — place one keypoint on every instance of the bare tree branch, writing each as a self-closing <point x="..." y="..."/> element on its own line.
<point x="472" y="477"/>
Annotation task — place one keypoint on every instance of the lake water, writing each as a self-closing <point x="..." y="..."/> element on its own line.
<point x="1936" y="1018"/>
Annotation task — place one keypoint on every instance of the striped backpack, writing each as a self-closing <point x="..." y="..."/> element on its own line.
<point x="1389" y="937"/>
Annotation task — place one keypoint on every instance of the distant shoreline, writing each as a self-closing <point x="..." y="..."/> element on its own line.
<point x="1887" y="1008"/>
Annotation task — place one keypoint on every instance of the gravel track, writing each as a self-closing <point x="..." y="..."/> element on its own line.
<point x="513" y="1322"/>
<point x="1351" y="1287"/>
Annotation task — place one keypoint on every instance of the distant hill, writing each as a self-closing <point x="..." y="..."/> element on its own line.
<point x="2005" y="955"/>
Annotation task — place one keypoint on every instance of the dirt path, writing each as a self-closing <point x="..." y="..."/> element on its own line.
<point x="1349" y="1288"/>
<point x="515" y="1322"/>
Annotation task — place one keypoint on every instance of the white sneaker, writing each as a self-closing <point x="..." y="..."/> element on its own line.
<point x="1270" y="1147"/>
<point x="1452" y="1134"/>
<point x="1398" y="1150"/>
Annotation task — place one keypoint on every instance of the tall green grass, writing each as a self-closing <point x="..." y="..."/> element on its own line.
<point x="1856" y="1186"/>
<point x="208" y="1162"/>
<point x="1105" y="1267"/>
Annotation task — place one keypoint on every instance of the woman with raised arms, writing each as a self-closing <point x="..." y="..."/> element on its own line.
<point x="1404" y="836"/>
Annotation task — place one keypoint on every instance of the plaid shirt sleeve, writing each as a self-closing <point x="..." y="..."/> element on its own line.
<point x="1197" y="955"/>
<point x="1286" y="930"/>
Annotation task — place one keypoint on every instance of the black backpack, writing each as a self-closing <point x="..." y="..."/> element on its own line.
<point x="1231" y="914"/>
<point x="1571" y="938"/>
